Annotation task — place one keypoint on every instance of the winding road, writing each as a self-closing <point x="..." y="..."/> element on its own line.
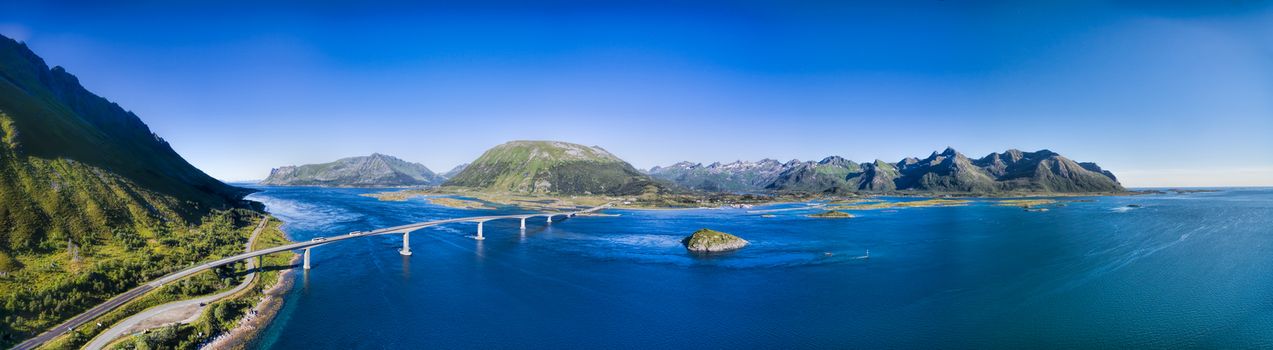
<point x="180" y="307"/>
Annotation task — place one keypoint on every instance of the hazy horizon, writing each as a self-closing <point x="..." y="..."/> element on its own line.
<point x="1162" y="95"/>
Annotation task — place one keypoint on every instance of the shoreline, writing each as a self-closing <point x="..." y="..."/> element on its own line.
<point x="249" y="328"/>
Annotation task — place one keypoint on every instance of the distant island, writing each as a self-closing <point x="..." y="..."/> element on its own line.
<point x="832" y="214"/>
<point x="376" y="170"/>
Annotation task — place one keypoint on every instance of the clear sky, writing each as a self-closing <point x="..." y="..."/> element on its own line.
<point x="1162" y="94"/>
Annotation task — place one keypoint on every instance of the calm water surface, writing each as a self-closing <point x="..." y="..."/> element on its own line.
<point x="1187" y="270"/>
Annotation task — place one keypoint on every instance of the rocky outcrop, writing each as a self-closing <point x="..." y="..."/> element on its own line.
<point x="705" y="240"/>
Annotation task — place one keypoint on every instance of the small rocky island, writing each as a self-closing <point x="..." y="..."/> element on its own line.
<point x="832" y="214"/>
<point x="705" y="240"/>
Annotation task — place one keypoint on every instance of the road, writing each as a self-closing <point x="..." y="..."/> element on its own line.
<point x="136" y="292"/>
<point x="181" y="307"/>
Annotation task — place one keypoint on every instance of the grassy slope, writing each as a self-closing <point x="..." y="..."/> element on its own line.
<point x="550" y="167"/>
<point x="91" y="202"/>
<point x="215" y="319"/>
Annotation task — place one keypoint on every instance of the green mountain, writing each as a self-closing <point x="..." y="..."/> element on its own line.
<point x="1046" y="171"/>
<point x="552" y="167"/>
<point x="878" y="176"/>
<point x="91" y="201"/>
<point x="949" y="171"/>
<point x="829" y="173"/>
<point x="376" y="170"/>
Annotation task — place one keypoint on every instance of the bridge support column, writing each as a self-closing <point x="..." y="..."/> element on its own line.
<point x="523" y="223"/>
<point x="406" y="244"/>
<point x="479" y="231"/>
<point x="306" y="258"/>
<point x="550" y="219"/>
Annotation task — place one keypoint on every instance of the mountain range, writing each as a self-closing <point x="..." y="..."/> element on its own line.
<point x="552" y="167"/>
<point x="946" y="172"/>
<point x="376" y="170"/>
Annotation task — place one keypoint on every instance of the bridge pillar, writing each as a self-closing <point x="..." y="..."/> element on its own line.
<point x="550" y="219"/>
<point x="406" y="244"/>
<point x="479" y="231"/>
<point x="306" y="258"/>
<point x="523" y="223"/>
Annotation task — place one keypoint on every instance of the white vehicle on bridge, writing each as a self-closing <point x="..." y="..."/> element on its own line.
<point x="356" y="233"/>
<point x="319" y="239"/>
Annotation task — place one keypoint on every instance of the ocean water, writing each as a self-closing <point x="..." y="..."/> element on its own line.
<point x="1182" y="271"/>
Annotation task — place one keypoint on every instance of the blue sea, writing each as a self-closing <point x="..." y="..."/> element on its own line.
<point x="1190" y="270"/>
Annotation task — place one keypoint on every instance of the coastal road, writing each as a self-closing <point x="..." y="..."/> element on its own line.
<point x="180" y="307"/>
<point x="136" y="292"/>
<point x="92" y="313"/>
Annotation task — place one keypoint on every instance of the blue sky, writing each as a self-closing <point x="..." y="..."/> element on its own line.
<point x="1162" y="94"/>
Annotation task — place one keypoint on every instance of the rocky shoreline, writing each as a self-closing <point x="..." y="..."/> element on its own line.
<point x="250" y="327"/>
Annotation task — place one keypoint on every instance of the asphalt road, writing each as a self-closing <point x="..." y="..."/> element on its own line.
<point x="104" y="338"/>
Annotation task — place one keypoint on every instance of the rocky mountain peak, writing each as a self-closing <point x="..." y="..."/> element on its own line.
<point x="836" y="161"/>
<point x="365" y="171"/>
<point x="945" y="171"/>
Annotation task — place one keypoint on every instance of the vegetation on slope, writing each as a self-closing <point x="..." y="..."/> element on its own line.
<point x="550" y="167"/>
<point x="91" y="202"/>
<point x="223" y="315"/>
<point x="52" y="288"/>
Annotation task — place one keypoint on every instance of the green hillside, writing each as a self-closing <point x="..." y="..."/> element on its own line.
<point x="91" y="201"/>
<point x="551" y="167"/>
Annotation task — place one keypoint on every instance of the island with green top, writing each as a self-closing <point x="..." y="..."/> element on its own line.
<point x="707" y="240"/>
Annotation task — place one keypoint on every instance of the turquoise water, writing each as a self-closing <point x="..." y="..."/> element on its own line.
<point x="1183" y="270"/>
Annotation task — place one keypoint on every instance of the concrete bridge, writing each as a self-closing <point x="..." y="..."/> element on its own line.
<point x="404" y="230"/>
